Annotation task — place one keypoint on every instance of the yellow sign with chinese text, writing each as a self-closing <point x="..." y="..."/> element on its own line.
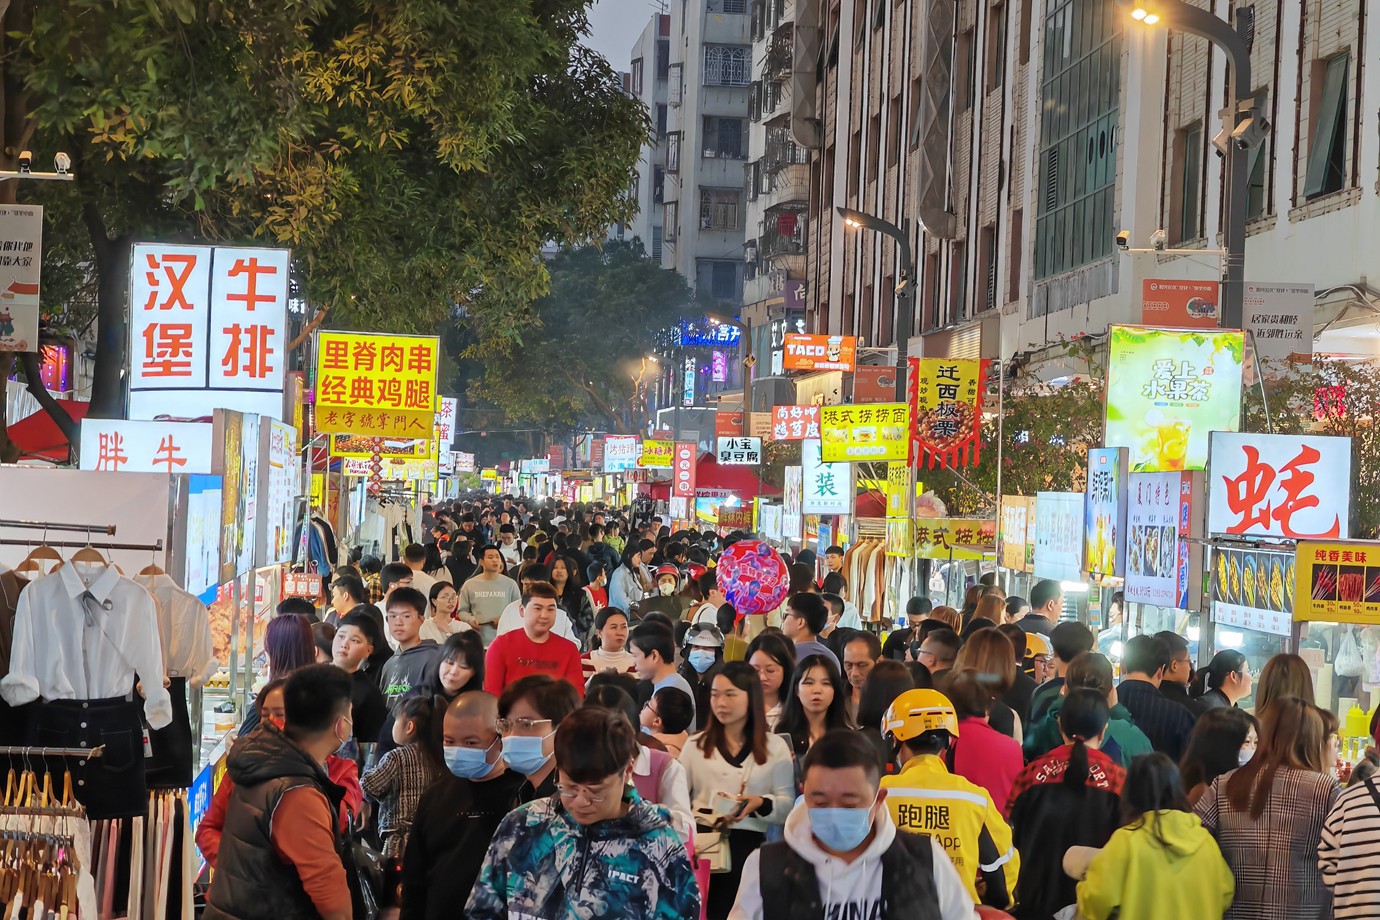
<point x="377" y="385"/>
<point x="657" y="454"/>
<point x="1332" y="582"/>
<point x="954" y="538"/>
<point x="897" y="475"/>
<point x="851" y="434"/>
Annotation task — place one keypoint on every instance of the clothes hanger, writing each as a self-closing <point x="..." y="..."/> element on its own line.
<point x="152" y="568"/>
<point x="42" y="551"/>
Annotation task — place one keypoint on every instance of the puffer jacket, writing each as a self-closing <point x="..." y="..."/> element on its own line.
<point x="544" y="865"/>
<point x="251" y="882"/>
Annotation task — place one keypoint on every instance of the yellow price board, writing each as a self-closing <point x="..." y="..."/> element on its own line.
<point x="1333" y="582"/>
<point x="376" y="385"/>
<point x="850" y="434"/>
<point x="957" y="538"/>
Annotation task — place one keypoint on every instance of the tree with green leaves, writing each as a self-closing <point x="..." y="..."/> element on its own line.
<point x="585" y="360"/>
<point x="414" y="154"/>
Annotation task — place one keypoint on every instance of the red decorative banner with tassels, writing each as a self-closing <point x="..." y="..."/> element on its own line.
<point x="945" y="409"/>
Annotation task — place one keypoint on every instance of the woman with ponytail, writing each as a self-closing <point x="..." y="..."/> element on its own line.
<point x="1071" y="797"/>
<point x="1224" y="681"/>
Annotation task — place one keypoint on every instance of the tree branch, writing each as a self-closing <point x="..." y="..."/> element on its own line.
<point x="33" y="380"/>
<point x="599" y="403"/>
<point x="308" y="329"/>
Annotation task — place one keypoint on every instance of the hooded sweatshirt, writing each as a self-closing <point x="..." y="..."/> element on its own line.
<point x="409" y="669"/>
<point x="850" y="889"/>
<point x="545" y="865"/>
<point x="1147" y="880"/>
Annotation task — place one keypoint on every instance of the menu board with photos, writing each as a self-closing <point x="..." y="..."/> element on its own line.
<point x="1253" y="589"/>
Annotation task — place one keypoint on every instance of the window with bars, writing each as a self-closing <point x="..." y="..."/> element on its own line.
<point x="721" y="209"/>
<point x="724" y="138"/>
<point x="656" y="244"/>
<point x="727" y="65"/>
<point x="673" y="152"/>
<point x="658" y="184"/>
<point x="731" y="7"/>
<point x="660" y="120"/>
<point x="1079" y="93"/>
<point x="753" y="179"/>
<point x="637" y="77"/>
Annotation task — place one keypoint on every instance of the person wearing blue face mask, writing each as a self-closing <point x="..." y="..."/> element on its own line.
<point x="457" y="816"/>
<point x="702" y="652"/>
<point x="843" y="856"/>
<point x="529" y="710"/>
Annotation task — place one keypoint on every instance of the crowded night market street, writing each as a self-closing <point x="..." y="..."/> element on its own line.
<point x="710" y="460"/>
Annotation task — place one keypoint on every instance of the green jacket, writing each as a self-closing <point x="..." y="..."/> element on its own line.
<point x="1044" y="736"/>
<point x="1145" y="879"/>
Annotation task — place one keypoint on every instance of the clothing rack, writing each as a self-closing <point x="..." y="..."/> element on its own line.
<point x="88" y="529"/>
<point x="97" y="751"/>
<point x="107" y="529"/>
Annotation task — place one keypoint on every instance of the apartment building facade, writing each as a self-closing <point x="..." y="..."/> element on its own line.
<point x="647" y="81"/>
<point x="1013" y="140"/>
<point x="704" y="213"/>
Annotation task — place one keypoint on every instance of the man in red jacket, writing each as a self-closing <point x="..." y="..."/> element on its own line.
<point x="534" y="649"/>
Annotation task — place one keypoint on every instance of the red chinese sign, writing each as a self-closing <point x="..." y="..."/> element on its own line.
<point x="794" y="423"/>
<point x="728" y="424"/>
<point x="378" y="385"/>
<point x="946" y="409"/>
<point x="1281" y="486"/>
<point x="683" y="472"/>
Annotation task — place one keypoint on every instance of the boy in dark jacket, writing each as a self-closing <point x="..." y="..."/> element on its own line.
<point x="417" y="658"/>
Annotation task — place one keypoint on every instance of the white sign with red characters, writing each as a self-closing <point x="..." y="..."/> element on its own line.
<point x="794" y="423"/>
<point x="117" y="445"/>
<point x="683" y="484"/>
<point x="1284" y="487"/>
<point x="205" y="317"/>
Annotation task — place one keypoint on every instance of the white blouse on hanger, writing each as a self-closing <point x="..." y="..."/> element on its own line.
<point x="184" y="627"/>
<point x="64" y="651"/>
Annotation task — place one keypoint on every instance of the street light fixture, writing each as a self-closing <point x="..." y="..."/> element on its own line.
<point x="857" y="220"/>
<point x="1247" y="127"/>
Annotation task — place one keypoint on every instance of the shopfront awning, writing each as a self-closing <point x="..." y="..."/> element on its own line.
<point x="740" y="480"/>
<point x="38" y="436"/>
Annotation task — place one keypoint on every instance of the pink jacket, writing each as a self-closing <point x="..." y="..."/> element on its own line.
<point x="983" y="755"/>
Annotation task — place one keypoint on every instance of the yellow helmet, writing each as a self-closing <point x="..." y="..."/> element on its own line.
<point x="918" y="711"/>
<point x="1036" y="644"/>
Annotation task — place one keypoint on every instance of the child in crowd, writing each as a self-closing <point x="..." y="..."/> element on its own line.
<point x="416" y="658"/>
<point x="667" y="717"/>
<point x="404" y="773"/>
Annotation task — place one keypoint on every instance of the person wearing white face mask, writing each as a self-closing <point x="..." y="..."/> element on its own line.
<point x="703" y="653"/>
<point x="456" y="818"/>
<point x="529" y="710"/>
<point x="843" y="855"/>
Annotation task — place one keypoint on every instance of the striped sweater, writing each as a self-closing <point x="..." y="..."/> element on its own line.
<point x="1349" y="853"/>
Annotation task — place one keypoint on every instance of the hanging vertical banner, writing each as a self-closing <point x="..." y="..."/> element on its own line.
<point x="1161" y="566"/>
<point x="683" y="479"/>
<point x="1104" y="532"/>
<point x="827" y="488"/>
<point x="21" y="260"/>
<point x="945" y="409"/>
<point x="792" y="487"/>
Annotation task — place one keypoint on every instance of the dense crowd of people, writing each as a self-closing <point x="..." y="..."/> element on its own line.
<point x="553" y="713"/>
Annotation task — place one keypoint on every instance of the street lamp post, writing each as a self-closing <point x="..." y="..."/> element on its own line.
<point x="856" y="220"/>
<point x="1244" y="128"/>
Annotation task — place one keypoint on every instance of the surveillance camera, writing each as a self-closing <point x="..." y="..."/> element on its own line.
<point x="1250" y="133"/>
<point x="61" y="163"/>
<point x="1123" y="239"/>
<point x="26" y="160"/>
<point x="1158" y="239"/>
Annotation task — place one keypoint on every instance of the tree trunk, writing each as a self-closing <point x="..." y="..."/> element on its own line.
<point x="33" y="377"/>
<point x="112" y="324"/>
<point x="600" y="404"/>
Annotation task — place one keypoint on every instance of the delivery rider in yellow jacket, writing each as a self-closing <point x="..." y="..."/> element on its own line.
<point x="926" y="798"/>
